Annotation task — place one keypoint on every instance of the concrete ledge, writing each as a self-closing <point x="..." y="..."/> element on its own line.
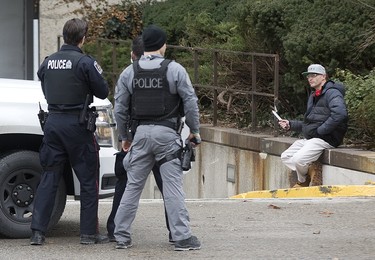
<point x="323" y="191"/>
<point x="232" y="137"/>
<point x="276" y="145"/>
<point x="354" y="159"/>
<point x="348" y="158"/>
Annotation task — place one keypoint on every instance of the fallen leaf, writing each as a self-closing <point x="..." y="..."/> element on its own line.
<point x="271" y="206"/>
<point x="326" y="213"/>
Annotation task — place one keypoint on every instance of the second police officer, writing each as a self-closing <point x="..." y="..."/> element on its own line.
<point x="156" y="93"/>
<point x="122" y="178"/>
<point x="69" y="81"/>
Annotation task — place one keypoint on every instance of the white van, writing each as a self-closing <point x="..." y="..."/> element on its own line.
<point x="20" y="170"/>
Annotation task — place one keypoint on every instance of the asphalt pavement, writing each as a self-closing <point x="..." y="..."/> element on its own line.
<point x="324" y="228"/>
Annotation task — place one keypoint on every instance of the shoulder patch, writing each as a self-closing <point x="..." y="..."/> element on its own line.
<point x="97" y="67"/>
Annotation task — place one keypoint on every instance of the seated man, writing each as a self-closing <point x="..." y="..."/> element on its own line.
<point x="323" y="127"/>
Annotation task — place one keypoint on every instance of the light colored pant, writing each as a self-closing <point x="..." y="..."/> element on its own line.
<point x="302" y="153"/>
<point x="151" y="143"/>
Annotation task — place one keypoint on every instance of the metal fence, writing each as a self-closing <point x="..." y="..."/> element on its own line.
<point x="260" y="71"/>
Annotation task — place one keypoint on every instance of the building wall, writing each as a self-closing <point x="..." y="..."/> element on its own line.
<point x="12" y="22"/>
<point x="52" y="17"/>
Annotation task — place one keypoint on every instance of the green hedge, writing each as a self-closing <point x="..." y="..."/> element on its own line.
<point x="334" y="33"/>
<point x="360" y="99"/>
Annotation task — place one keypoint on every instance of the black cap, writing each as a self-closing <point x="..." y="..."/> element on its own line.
<point x="153" y="38"/>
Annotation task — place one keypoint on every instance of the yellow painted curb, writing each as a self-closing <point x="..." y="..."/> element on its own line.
<point x="324" y="191"/>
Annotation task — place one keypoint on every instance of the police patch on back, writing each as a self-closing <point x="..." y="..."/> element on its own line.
<point x="97" y="67"/>
<point x="59" y="64"/>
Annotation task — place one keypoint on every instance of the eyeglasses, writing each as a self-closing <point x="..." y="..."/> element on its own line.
<point x="312" y="75"/>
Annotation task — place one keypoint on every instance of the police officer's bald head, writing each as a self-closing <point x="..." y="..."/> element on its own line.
<point x="74" y="30"/>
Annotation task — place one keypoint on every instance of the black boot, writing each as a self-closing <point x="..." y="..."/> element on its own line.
<point x="94" y="239"/>
<point x="37" y="238"/>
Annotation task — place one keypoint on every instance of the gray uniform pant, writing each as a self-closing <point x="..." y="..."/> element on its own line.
<point x="302" y="153"/>
<point x="152" y="143"/>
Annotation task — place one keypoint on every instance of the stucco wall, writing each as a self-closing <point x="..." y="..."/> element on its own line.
<point x="52" y="17"/>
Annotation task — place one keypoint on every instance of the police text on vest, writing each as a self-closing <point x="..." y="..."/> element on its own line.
<point x="148" y="83"/>
<point x="59" y="64"/>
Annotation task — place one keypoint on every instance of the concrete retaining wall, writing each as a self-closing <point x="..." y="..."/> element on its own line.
<point x="230" y="162"/>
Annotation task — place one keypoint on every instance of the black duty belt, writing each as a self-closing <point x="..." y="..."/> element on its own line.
<point x="166" y="123"/>
<point x="66" y="112"/>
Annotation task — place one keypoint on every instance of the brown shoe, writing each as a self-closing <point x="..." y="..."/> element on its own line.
<point x="306" y="183"/>
<point x="315" y="172"/>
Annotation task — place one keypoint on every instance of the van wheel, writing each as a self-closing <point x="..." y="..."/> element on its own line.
<point x="20" y="173"/>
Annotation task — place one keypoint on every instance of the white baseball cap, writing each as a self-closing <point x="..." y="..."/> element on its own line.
<point x="315" y="68"/>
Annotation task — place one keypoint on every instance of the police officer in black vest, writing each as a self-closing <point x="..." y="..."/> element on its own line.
<point x="69" y="81"/>
<point x="155" y="93"/>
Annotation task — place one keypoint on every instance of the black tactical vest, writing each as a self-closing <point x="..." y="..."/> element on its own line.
<point x="151" y="99"/>
<point x="62" y="86"/>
